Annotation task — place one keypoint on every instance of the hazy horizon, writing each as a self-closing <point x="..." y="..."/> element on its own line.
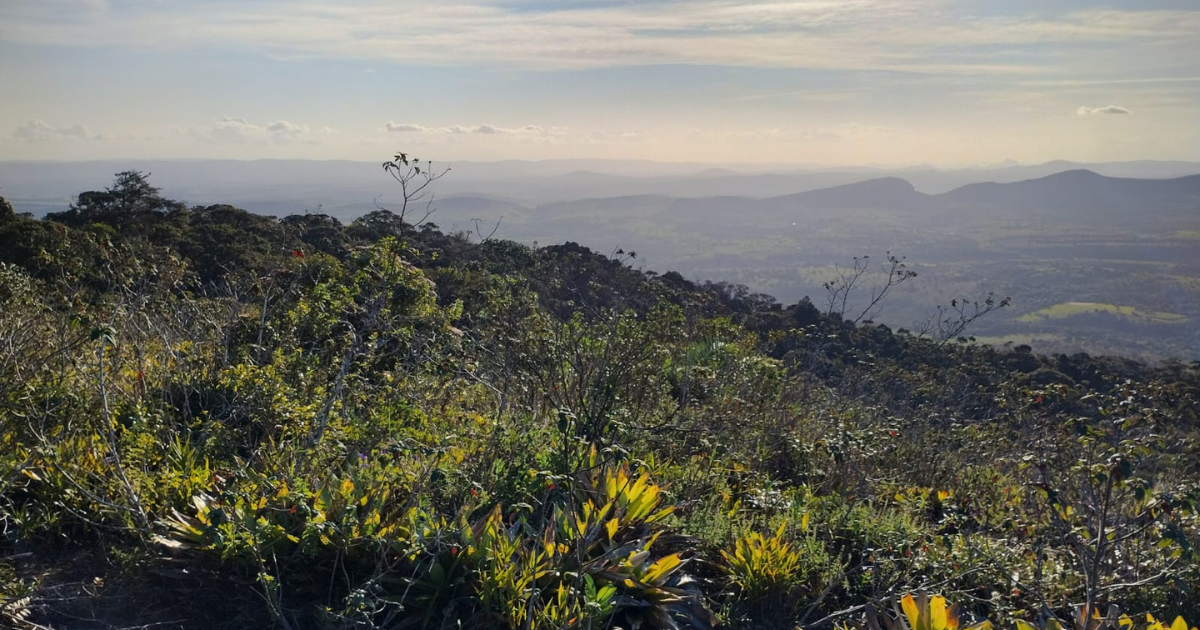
<point x="880" y="83"/>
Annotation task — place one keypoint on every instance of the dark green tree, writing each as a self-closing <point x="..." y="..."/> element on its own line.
<point x="131" y="202"/>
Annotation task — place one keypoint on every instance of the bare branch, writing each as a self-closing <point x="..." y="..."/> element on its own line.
<point x="950" y="322"/>
<point x="840" y="288"/>
<point x="414" y="180"/>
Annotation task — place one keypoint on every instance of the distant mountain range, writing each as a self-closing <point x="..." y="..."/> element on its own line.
<point x="346" y="188"/>
<point x="1082" y="190"/>
<point x="1074" y="190"/>
<point x="1070" y="195"/>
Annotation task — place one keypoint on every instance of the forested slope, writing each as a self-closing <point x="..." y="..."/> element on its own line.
<point x="216" y="419"/>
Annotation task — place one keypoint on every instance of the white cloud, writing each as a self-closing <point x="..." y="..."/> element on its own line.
<point x="283" y="127"/>
<point x="231" y="130"/>
<point x="40" y="131"/>
<point x="405" y="127"/>
<point x="483" y="129"/>
<point x="1107" y="109"/>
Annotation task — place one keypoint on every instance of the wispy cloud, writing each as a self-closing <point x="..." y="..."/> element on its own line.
<point x="912" y="35"/>
<point x="1107" y="109"/>
<point x="1111" y="81"/>
<point x="40" y="131"/>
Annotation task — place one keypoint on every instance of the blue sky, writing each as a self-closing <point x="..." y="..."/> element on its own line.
<point x="804" y="81"/>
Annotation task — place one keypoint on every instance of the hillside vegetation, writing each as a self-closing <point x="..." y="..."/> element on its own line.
<point x="216" y="419"/>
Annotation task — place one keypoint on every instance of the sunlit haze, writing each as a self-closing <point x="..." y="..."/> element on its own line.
<point x="886" y="82"/>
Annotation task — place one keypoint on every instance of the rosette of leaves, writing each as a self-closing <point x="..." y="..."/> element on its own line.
<point x="360" y="508"/>
<point x="760" y="566"/>
<point x="593" y="565"/>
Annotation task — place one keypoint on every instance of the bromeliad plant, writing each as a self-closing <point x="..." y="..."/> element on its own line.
<point x="592" y="565"/>
<point x="363" y="506"/>
<point x="610" y="535"/>
<point x="759" y="566"/>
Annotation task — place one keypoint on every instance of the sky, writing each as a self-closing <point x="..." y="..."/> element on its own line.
<point x="818" y="82"/>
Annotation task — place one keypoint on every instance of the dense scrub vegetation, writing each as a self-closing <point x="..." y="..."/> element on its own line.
<point x="212" y="418"/>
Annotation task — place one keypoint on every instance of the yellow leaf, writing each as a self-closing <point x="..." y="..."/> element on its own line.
<point x="804" y="522"/>
<point x="664" y="567"/>
<point x="910" y="611"/>
<point x="603" y="511"/>
<point x="1024" y="625"/>
<point x="1179" y="624"/>
<point x="952" y="619"/>
<point x="937" y="614"/>
<point x="29" y="473"/>
<point x="611" y="527"/>
<point x="639" y="487"/>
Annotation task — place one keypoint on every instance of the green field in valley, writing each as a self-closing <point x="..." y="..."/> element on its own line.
<point x="1070" y="309"/>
